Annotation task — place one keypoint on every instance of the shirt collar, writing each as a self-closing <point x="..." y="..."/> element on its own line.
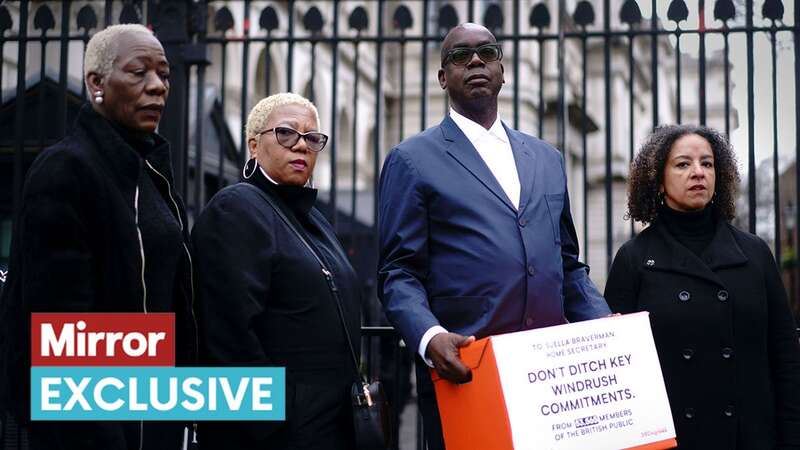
<point x="475" y="131"/>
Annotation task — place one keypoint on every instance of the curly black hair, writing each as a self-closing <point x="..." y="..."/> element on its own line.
<point x="647" y="171"/>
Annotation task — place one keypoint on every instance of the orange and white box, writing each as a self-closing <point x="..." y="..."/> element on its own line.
<point x="586" y="385"/>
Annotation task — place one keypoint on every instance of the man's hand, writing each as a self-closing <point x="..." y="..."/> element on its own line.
<point x="442" y="350"/>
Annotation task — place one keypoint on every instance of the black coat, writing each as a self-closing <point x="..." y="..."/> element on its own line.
<point x="724" y="334"/>
<point x="263" y="301"/>
<point x="75" y="248"/>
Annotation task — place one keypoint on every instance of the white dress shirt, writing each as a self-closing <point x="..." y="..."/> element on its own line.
<point x="494" y="148"/>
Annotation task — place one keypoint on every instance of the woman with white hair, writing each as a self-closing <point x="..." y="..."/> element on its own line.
<point x="101" y="229"/>
<point x="263" y="298"/>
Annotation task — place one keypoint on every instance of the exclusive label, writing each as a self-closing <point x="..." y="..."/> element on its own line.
<point x="158" y="393"/>
<point x="120" y="366"/>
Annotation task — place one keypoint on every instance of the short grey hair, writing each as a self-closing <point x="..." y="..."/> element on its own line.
<point x="257" y="119"/>
<point x="101" y="51"/>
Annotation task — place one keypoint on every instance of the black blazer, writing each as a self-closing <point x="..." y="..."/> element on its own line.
<point x="724" y="334"/>
<point x="75" y="248"/>
<point x="263" y="301"/>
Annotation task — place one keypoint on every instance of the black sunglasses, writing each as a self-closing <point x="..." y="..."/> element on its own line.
<point x="460" y="56"/>
<point x="288" y="137"/>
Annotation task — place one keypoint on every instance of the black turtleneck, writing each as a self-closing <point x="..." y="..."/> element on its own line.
<point x="143" y="143"/>
<point x="298" y="199"/>
<point x="693" y="229"/>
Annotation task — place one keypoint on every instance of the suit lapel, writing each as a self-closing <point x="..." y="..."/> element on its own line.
<point x="525" y="159"/>
<point x="461" y="149"/>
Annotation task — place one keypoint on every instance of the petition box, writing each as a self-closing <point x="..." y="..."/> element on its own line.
<point x="587" y="385"/>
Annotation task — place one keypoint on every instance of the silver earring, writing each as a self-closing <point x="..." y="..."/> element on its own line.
<point x="98" y="97"/>
<point x="246" y="175"/>
<point x="661" y="196"/>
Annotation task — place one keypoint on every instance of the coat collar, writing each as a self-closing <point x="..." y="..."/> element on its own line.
<point x="298" y="199"/>
<point x="461" y="149"/>
<point x="665" y="253"/>
<point x="119" y="156"/>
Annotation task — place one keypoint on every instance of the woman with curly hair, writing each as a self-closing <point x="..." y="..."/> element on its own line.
<point x="719" y="312"/>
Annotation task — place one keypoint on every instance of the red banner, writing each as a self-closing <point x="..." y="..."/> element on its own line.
<point x="103" y="339"/>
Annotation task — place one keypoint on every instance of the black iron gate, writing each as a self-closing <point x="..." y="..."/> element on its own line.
<point x="593" y="77"/>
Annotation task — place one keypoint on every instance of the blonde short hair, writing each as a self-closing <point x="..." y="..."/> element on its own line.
<point x="101" y="51"/>
<point x="257" y="119"/>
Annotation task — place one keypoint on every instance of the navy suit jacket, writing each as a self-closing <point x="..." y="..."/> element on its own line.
<point x="456" y="253"/>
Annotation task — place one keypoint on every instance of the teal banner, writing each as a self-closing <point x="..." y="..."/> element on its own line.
<point x="158" y="393"/>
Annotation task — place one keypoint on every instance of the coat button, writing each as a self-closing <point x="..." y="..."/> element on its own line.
<point x="727" y="352"/>
<point x="529" y="321"/>
<point x="688" y="413"/>
<point x="729" y="411"/>
<point x="687" y="353"/>
<point x="531" y="270"/>
<point x="722" y="295"/>
<point x="522" y="222"/>
<point x="684" y="296"/>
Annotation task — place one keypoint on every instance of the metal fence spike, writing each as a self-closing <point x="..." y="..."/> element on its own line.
<point x="724" y="10"/>
<point x="312" y="20"/>
<point x="677" y="11"/>
<point x="358" y="19"/>
<point x="268" y="19"/>
<point x="402" y="18"/>
<point x="223" y="20"/>
<point x="130" y="14"/>
<point x="5" y="20"/>
<point x="630" y="12"/>
<point x="540" y="16"/>
<point x="448" y="18"/>
<point x="584" y="13"/>
<point x="493" y="17"/>
<point x="772" y="10"/>
<point x="43" y="20"/>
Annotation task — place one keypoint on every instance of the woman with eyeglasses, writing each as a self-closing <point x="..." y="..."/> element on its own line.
<point x="263" y="298"/>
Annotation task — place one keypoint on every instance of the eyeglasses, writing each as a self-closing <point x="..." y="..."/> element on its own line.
<point x="288" y="137"/>
<point x="461" y="56"/>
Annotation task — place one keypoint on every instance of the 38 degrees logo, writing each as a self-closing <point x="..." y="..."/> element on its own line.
<point x="121" y="367"/>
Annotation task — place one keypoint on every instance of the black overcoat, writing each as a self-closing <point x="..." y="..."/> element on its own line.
<point x="263" y="301"/>
<point x="76" y="248"/>
<point x="724" y="334"/>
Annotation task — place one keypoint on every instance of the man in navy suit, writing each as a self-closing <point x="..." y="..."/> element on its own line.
<point x="476" y="233"/>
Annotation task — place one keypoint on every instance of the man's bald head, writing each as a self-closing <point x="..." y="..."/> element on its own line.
<point x="455" y="35"/>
